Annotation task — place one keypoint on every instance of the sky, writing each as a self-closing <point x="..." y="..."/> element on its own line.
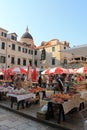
<point x="65" y="20"/>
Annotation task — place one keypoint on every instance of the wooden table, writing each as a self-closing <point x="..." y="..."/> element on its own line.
<point x="4" y="91"/>
<point x="20" y="98"/>
<point x="63" y="108"/>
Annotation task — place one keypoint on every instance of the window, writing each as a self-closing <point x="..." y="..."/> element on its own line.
<point x="25" y="50"/>
<point x="78" y="58"/>
<point x="22" y="49"/>
<point x="53" y="49"/>
<point x="24" y="62"/>
<point x="12" y="60"/>
<point x="19" y="48"/>
<point x="13" y="38"/>
<point x="35" y="62"/>
<point x="18" y="61"/>
<point x="3" y="45"/>
<point x="31" y="52"/>
<point x="30" y="63"/>
<point x="8" y="56"/>
<point x="3" y="34"/>
<point x="2" y="59"/>
<point x="53" y="61"/>
<point x="64" y="47"/>
<point x="83" y="58"/>
<point x="35" y="52"/>
<point x="13" y="46"/>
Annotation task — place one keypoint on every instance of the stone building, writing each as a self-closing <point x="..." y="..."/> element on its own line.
<point x="16" y="53"/>
<point x="54" y="55"/>
<point x="76" y="56"/>
<point x="21" y="53"/>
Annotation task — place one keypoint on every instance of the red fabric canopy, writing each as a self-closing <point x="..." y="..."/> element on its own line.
<point x="34" y="75"/>
<point x="57" y="70"/>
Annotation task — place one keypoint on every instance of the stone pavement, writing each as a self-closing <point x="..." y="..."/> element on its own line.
<point x="25" y="119"/>
<point x="13" y="121"/>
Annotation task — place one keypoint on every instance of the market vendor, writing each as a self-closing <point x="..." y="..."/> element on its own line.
<point x="18" y="81"/>
<point x="59" y="85"/>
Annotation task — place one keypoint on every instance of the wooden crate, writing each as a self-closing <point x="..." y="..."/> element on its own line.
<point x="41" y="115"/>
<point x="82" y="87"/>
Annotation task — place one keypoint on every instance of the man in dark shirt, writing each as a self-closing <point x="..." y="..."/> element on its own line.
<point x="59" y="85"/>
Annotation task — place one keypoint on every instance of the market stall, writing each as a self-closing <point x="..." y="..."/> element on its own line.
<point x="64" y="104"/>
<point x="19" y="98"/>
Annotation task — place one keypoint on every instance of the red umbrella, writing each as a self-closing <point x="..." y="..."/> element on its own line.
<point x="34" y="75"/>
<point x="82" y="70"/>
<point x="45" y="71"/>
<point x="10" y="71"/>
<point x="17" y="70"/>
<point x="75" y="71"/>
<point x="57" y="70"/>
<point x="70" y="71"/>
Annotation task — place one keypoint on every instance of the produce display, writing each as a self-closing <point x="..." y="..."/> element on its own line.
<point x="78" y="86"/>
<point x="61" y="97"/>
<point x="36" y="89"/>
<point x="18" y="92"/>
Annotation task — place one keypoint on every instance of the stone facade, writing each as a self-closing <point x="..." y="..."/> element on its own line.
<point x="15" y="53"/>
<point x="54" y="55"/>
<point x="21" y="53"/>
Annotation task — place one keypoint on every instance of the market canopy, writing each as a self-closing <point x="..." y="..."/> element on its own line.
<point x="18" y="70"/>
<point x="45" y="71"/>
<point x="82" y="70"/>
<point x="57" y="70"/>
